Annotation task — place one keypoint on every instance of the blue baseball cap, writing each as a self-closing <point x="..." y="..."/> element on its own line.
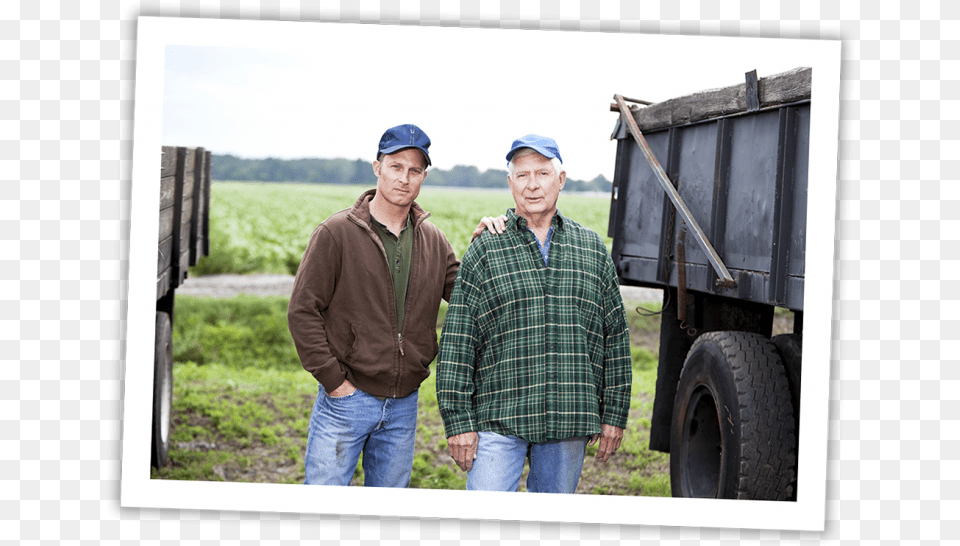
<point x="404" y="136"/>
<point x="545" y="146"/>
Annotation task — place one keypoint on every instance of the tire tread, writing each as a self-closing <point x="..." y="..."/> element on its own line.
<point x="768" y="438"/>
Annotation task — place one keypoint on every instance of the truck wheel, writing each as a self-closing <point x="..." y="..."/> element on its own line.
<point x="790" y="348"/>
<point x="732" y="434"/>
<point x="162" y="390"/>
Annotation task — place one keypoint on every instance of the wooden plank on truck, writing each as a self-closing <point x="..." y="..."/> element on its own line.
<point x="791" y="86"/>
<point x="184" y="214"/>
<point x="176" y="275"/>
<point x="168" y="161"/>
<point x="197" y="201"/>
<point x="206" y="205"/>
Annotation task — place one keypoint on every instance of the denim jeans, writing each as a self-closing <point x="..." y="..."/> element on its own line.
<point x="554" y="466"/>
<point x="342" y="427"/>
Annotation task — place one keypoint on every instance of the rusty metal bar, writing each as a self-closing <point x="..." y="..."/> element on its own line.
<point x="674" y="195"/>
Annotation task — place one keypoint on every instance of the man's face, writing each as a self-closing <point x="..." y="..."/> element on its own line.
<point x="535" y="186"/>
<point x="399" y="176"/>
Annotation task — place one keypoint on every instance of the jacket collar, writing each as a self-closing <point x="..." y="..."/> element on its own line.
<point x="360" y="211"/>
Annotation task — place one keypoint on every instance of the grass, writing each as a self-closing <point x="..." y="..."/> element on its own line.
<point x="238" y="424"/>
<point x="242" y="404"/>
<point x="245" y="331"/>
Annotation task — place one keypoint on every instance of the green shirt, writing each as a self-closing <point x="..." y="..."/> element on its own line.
<point x="538" y="352"/>
<point x="399" y="253"/>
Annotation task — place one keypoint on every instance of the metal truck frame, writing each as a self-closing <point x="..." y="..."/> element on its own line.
<point x="709" y="203"/>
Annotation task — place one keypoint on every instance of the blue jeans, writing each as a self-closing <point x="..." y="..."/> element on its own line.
<point x="342" y="427"/>
<point x="554" y="466"/>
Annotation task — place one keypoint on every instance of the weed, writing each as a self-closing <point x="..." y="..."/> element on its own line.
<point x="240" y="332"/>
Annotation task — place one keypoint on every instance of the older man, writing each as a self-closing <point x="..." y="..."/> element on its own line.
<point x="534" y="358"/>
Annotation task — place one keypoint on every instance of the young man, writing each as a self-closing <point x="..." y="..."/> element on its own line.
<point x="363" y="316"/>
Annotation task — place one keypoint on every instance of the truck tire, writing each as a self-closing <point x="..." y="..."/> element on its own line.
<point x="790" y="349"/>
<point x="162" y="390"/>
<point x="732" y="434"/>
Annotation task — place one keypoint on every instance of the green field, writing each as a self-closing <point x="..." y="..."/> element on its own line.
<point x="242" y="400"/>
<point x="264" y="228"/>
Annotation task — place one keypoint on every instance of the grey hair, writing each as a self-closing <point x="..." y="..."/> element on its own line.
<point x="557" y="165"/>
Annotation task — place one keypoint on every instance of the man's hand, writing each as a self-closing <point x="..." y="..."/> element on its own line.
<point x="344" y="389"/>
<point x="493" y="224"/>
<point x="609" y="441"/>
<point x="463" y="449"/>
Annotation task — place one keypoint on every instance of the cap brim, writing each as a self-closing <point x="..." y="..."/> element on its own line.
<point x="395" y="149"/>
<point x="542" y="151"/>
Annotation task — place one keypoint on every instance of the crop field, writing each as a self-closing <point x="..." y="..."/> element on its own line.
<point x="264" y="228"/>
<point x="242" y="400"/>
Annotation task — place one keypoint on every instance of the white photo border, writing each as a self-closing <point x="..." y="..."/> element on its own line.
<point x="139" y="490"/>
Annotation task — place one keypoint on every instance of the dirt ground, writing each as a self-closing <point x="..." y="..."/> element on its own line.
<point x="227" y="286"/>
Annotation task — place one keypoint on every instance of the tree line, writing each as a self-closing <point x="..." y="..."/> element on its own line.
<point x="359" y="172"/>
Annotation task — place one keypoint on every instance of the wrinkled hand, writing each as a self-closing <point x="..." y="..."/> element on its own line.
<point x="344" y="389"/>
<point x="610" y="438"/>
<point x="463" y="449"/>
<point x="493" y="224"/>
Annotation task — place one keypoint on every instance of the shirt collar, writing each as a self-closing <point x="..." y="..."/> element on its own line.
<point x="408" y="224"/>
<point x="519" y="223"/>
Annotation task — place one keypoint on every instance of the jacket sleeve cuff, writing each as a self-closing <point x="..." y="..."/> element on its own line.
<point x="330" y="375"/>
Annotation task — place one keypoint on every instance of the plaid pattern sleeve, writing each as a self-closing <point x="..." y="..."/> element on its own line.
<point x="537" y="352"/>
<point x="618" y="369"/>
<point x="458" y="346"/>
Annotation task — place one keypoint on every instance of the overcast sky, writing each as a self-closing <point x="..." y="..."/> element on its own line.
<point x="330" y="90"/>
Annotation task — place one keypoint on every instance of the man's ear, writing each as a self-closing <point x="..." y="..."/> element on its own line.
<point x="563" y="179"/>
<point x="376" y="168"/>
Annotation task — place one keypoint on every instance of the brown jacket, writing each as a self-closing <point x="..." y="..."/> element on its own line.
<point x="342" y="313"/>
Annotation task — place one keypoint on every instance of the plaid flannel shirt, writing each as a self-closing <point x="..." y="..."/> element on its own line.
<point x="542" y="353"/>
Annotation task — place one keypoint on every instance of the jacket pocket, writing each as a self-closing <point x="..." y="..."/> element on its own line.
<point x="353" y="343"/>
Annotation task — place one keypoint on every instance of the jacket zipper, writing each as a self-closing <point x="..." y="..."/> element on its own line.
<point x="396" y="322"/>
<point x="386" y="261"/>
<point x="400" y="334"/>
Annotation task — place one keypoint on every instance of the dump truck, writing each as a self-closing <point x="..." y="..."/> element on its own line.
<point x="709" y="204"/>
<point x="184" y="238"/>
